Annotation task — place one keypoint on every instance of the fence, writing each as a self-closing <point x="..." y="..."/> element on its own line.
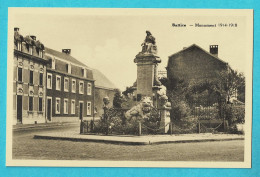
<point x="210" y="118"/>
<point x="114" y="121"/>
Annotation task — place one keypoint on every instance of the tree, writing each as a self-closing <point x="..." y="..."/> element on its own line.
<point x="129" y="90"/>
<point x="118" y="99"/>
<point x="176" y="89"/>
<point x="205" y="92"/>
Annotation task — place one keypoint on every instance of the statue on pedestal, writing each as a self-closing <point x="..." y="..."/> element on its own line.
<point x="149" y="52"/>
<point x="149" y="46"/>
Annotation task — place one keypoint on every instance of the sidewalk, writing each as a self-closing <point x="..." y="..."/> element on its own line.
<point x="43" y="125"/>
<point x="140" y="140"/>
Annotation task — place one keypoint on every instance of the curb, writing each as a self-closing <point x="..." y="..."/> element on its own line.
<point x="132" y="142"/>
<point x="90" y="140"/>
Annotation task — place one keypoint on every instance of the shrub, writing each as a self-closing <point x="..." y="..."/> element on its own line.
<point x="185" y="125"/>
<point x="117" y="124"/>
<point x="235" y="114"/>
<point x="180" y="110"/>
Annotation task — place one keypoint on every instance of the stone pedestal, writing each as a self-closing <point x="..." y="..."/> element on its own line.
<point x="146" y="68"/>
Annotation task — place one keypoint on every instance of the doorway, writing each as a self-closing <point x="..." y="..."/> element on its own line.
<point x="49" y="106"/>
<point x="19" y="109"/>
<point x="80" y="110"/>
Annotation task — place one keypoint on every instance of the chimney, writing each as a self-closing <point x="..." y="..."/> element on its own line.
<point x="67" y="51"/>
<point x="33" y="37"/>
<point x="16" y="29"/>
<point x="213" y="49"/>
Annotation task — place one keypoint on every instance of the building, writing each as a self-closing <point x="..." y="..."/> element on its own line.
<point x="29" y="88"/>
<point x="103" y="88"/>
<point x="193" y="64"/>
<point x="70" y="88"/>
<point x="53" y="86"/>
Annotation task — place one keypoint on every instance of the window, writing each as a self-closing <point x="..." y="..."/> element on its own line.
<point x="41" y="79"/>
<point x="73" y="85"/>
<point x="72" y="106"/>
<point x="84" y="72"/>
<point x="30" y="50"/>
<point x="49" y="80"/>
<point x="66" y="106"/>
<point x="30" y="103"/>
<point x="31" y="77"/>
<point x="57" y="106"/>
<point x="40" y="104"/>
<point x="40" y="54"/>
<point x="58" y="82"/>
<point x="19" y="46"/>
<point x="69" y="68"/>
<point x="53" y="64"/>
<point x="20" y="74"/>
<point x="66" y="84"/>
<point x="88" y="108"/>
<point x="81" y="87"/>
<point x="89" y="89"/>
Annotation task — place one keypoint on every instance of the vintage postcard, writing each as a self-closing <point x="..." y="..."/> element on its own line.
<point x="100" y="87"/>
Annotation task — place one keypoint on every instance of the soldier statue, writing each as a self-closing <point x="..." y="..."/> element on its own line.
<point x="149" y="46"/>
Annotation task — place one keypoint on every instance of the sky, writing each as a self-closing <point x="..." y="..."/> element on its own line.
<point x="109" y="39"/>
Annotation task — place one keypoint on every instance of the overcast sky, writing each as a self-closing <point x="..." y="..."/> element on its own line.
<point x="108" y="40"/>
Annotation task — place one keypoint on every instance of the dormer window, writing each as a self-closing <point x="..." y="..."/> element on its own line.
<point x="53" y="63"/>
<point x="19" y="46"/>
<point x="30" y="50"/>
<point x="69" y="68"/>
<point x="40" y="54"/>
<point x="84" y="72"/>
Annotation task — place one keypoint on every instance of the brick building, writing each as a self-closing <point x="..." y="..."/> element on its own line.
<point x="70" y="88"/>
<point x="193" y="64"/>
<point x="29" y="80"/>
<point x="53" y="86"/>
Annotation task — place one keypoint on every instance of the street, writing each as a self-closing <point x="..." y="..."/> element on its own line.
<point x="26" y="147"/>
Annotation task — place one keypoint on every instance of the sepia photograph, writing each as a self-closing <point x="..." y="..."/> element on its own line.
<point x="114" y="87"/>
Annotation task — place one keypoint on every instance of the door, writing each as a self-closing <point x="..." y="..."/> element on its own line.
<point x="49" y="109"/>
<point x="19" y="108"/>
<point x="80" y="111"/>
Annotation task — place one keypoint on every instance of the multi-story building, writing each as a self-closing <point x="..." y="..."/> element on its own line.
<point x="70" y="88"/>
<point x="29" y="80"/>
<point x="53" y="86"/>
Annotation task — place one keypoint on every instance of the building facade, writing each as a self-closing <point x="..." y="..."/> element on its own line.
<point x="70" y="88"/>
<point x="53" y="86"/>
<point x="194" y="63"/>
<point x="29" y="89"/>
<point x="103" y="88"/>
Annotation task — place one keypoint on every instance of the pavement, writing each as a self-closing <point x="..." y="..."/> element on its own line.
<point x="139" y="140"/>
<point x="43" y="125"/>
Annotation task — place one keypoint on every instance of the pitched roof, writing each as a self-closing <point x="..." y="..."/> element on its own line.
<point x="195" y="45"/>
<point x="64" y="56"/>
<point x="102" y="81"/>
